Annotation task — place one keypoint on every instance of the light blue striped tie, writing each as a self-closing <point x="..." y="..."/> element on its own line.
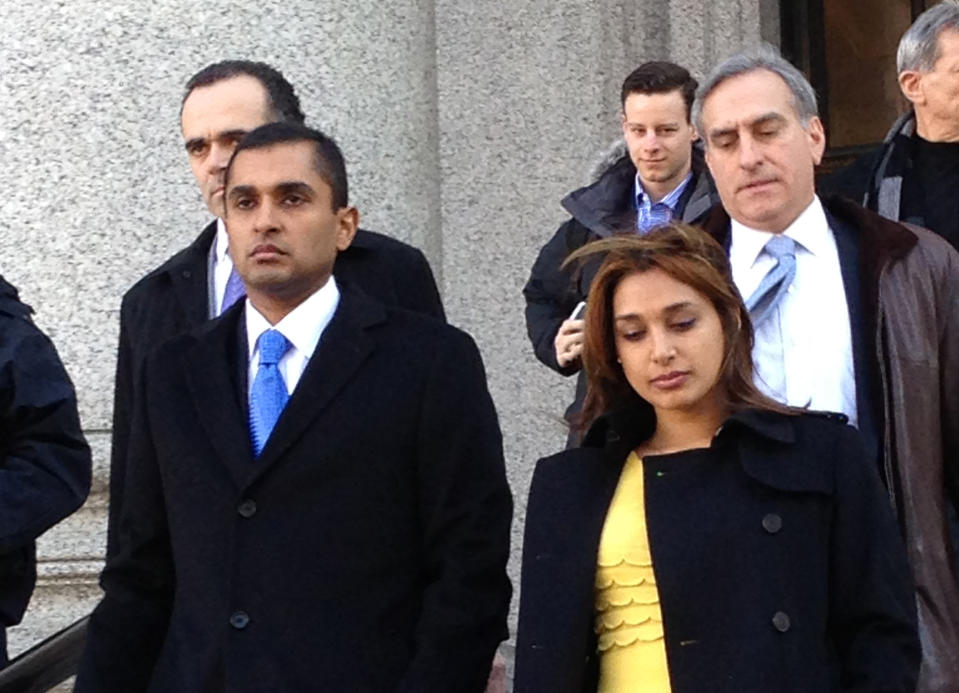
<point x="777" y="281"/>
<point x="268" y="396"/>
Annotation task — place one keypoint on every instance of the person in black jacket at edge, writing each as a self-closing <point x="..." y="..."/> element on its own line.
<point x="45" y="466"/>
<point x="704" y="537"/>
<point x="656" y="173"/>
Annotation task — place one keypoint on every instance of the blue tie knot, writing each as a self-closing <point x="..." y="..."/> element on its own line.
<point x="780" y="246"/>
<point x="273" y="345"/>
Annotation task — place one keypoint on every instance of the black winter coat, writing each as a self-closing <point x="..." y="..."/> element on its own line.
<point x="777" y="559"/>
<point x="45" y="462"/>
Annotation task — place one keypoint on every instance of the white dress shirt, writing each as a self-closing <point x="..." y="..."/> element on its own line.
<point x="222" y="266"/>
<point x="303" y="326"/>
<point x="803" y="351"/>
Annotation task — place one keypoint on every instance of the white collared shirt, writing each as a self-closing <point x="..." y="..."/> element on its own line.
<point x="803" y="351"/>
<point x="222" y="267"/>
<point x="303" y="326"/>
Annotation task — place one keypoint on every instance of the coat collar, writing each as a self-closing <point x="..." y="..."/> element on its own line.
<point x="880" y="242"/>
<point x="630" y="425"/>
<point x="216" y="361"/>
<point x="606" y="206"/>
<point x="188" y="274"/>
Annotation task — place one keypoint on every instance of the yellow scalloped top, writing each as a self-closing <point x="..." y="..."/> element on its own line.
<point x="629" y="622"/>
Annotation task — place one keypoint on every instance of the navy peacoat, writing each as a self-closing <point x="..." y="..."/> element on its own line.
<point x="777" y="559"/>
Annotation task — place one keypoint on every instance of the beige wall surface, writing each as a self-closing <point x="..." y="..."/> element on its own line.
<point x="463" y="125"/>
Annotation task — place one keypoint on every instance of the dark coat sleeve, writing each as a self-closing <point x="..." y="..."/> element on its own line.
<point x="128" y="626"/>
<point x="417" y="285"/>
<point x="873" y="610"/>
<point x="465" y="510"/>
<point x="390" y="271"/>
<point x="45" y="467"/>
<point x="552" y="293"/>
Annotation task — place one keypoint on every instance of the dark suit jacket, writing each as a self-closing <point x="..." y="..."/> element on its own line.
<point x="365" y="550"/>
<point x="174" y="298"/>
<point x="777" y="559"/>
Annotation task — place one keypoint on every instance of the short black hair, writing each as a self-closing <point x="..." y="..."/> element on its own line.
<point x="327" y="157"/>
<point x="281" y="96"/>
<point x="660" y="77"/>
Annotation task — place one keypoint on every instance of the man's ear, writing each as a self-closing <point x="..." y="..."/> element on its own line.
<point x="817" y="138"/>
<point x="348" y="223"/>
<point x="910" y="82"/>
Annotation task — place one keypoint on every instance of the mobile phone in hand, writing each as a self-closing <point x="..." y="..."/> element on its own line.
<point x="579" y="311"/>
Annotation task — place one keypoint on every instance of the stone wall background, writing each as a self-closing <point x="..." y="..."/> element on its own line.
<point x="463" y="125"/>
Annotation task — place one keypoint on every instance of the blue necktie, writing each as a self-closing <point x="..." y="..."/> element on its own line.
<point x="233" y="292"/>
<point x="657" y="215"/>
<point x="777" y="281"/>
<point x="268" y="395"/>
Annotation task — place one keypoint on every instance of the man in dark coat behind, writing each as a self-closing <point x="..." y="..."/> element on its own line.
<point x="317" y="497"/>
<point x="851" y="312"/>
<point x="45" y="462"/>
<point x="223" y="101"/>
<point x="916" y="171"/>
<point x="656" y="173"/>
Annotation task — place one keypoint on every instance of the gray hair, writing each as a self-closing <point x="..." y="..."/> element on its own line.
<point x="761" y="57"/>
<point x="919" y="46"/>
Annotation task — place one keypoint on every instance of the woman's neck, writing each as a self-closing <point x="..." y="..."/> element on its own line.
<point x="684" y="430"/>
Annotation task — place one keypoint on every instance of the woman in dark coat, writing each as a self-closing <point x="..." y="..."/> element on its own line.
<point x="704" y="539"/>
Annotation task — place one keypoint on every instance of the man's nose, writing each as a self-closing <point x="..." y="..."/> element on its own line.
<point x="265" y="218"/>
<point x="750" y="154"/>
<point x="219" y="157"/>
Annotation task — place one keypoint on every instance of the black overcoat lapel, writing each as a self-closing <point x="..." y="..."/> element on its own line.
<point x="190" y="278"/>
<point x="343" y="348"/>
<point x="213" y="365"/>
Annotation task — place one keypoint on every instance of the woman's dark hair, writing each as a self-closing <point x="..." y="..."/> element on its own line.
<point x="692" y="257"/>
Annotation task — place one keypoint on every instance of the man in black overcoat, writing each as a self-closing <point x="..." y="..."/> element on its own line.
<point x="353" y="538"/>
<point x="222" y="102"/>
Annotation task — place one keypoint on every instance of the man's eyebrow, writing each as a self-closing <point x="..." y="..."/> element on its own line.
<point x="235" y="134"/>
<point x="763" y="119"/>
<point x="293" y="186"/>
<point x="240" y="190"/>
<point x="766" y="118"/>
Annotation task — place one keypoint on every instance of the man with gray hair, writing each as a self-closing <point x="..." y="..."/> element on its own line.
<point x="916" y="172"/>
<point x="852" y="313"/>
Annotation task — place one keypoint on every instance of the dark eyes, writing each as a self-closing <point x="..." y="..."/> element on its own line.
<point x="683" y="325"/>
<point x="196" y="149"/>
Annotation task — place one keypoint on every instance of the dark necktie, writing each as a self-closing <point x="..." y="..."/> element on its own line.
<point x="268" y="396"/>
<point x="777" y="281"/>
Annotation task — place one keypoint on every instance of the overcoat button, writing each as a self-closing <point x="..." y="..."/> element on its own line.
<point x="247" y="508"/>
<point x="239" y="620"/>
<point x="781" y="621"/>
<point x="772" y="523"/>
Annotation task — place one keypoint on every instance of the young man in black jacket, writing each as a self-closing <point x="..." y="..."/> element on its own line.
<point x="655" y="174"/>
